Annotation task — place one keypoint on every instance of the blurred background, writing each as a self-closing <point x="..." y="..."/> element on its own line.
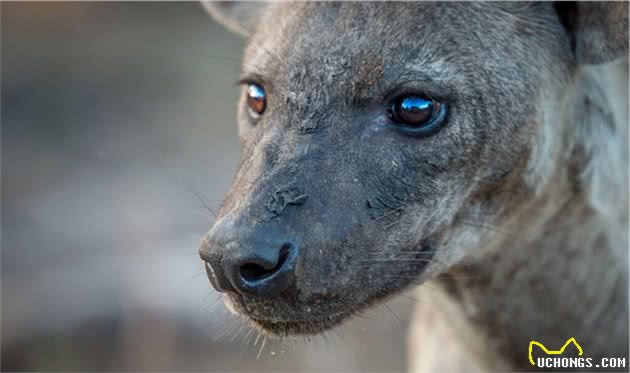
<point x="117" y="129"/>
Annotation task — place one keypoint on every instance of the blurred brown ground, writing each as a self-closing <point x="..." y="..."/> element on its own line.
<point x="114" y="116"/>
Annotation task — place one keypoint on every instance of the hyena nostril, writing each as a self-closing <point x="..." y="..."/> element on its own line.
<point x="265" y="272"/>
<point x="254" y="272"/>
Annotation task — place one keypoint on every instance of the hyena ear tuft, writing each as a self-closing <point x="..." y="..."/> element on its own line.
<point x="240" y="17"/>
<point x="599" y="30"/>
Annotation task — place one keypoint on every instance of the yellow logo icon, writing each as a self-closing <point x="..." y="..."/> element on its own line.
<point x="553" y="352"/>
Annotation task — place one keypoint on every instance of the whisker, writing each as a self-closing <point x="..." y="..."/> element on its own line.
<point x="237" y="332"/>
<point x="475" y="224"/>
<point x="246" y="338"/>
<point x="411" y="298"/>
<point x="380" y="260"/>
<point x="423" y="252"/>
<point x="257" y="337"/>
<point x="262" y="346"/>
<point x="388" y="213"/>
<point x="392" y="312"/>
<point x="203" y="201"/>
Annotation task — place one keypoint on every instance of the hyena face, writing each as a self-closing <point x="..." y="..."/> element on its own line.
<point x="376" y="139"/>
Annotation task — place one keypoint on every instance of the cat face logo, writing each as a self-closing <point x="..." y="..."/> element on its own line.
<point x="553" y="352"/>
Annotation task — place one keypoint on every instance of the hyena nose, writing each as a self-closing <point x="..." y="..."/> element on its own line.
<point x="265" y="272"/>
<point x="254" y="262"/>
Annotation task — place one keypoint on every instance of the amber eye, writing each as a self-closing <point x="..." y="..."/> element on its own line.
<point x="417" y="114"/>
<point x="256" y="99"/>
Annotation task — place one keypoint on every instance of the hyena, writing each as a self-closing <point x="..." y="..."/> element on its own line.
<point x="478" y="150"/>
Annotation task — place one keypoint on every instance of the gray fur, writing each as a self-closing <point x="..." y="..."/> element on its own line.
<point x="515" y="211"/>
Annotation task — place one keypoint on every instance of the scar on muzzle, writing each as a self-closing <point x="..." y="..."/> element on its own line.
<point x="282" y="197"/>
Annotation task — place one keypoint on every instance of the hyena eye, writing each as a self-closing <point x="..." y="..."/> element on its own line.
<point x="417" y="115"/>
<point x="256" y="99"/>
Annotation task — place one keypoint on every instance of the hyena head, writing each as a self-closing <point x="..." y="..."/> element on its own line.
<point x="378" y="138"/>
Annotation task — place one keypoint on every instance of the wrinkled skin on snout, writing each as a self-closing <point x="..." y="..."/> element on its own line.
<point x="355" y="208"/>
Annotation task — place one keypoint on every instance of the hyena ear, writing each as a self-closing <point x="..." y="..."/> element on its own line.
<point x="240" y="17"/>
<point x="599" y="30"/>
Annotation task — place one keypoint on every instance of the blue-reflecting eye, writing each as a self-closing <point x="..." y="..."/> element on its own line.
<point x="417" y="114"/>
<point x="256" y="99"/>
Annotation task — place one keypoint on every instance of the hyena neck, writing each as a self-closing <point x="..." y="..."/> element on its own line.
<point x="570" y="280"/>
<point x="560" y="268"/>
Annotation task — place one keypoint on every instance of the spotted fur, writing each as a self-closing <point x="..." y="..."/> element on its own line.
<point x="515" y="211"/>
